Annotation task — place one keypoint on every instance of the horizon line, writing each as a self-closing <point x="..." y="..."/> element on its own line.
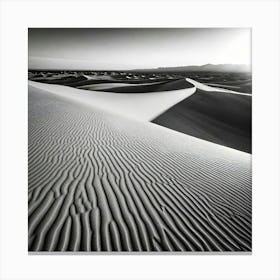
<point x="138" y="69"/>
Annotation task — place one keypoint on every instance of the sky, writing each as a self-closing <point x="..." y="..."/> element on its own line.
<point x="136" y="48"/>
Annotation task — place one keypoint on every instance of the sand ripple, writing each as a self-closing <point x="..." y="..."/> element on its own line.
<point x="98" y="182"/>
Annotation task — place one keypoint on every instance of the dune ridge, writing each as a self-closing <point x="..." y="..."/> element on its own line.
<point x="130" y="105"/>
<point x="102" y="182"/>
<point x="206" y="87"/>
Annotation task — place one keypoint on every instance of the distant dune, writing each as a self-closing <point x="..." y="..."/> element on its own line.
<point x="204" y="86"/>
<point x="171" y="85"/>
<point x="120" y="87"/>
<point x="240" y="86"/>
<point x="102" y="182"/>
<point x="108" y="84"/>
<point x="216" y="115"/>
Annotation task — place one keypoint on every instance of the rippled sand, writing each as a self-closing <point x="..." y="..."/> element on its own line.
<point x="102" y="182"/>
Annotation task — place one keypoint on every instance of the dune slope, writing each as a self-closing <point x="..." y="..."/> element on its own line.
<point x="220" y="117"/>
<point x="100" y="182"/>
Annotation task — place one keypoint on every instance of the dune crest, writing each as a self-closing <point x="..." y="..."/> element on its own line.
<point x="216" y="89"/>
<point x="131" y="105"/>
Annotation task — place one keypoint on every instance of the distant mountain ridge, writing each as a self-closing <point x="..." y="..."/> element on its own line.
<point x="206" y="67"/>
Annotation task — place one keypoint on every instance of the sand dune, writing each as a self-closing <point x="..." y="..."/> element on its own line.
<point x="245" y="86"/>
<point x="102" y="182"/>
<point x="140" y="106"/>
<point x="216" y="89"/>
<point x="220" y="116"/>
<point x="111" y="86"/>
<point x="167" y="85"/>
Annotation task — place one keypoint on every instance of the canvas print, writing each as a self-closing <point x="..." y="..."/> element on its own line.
<point x="139" y="140"/>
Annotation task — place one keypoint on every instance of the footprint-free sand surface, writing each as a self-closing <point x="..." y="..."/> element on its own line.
<point x="102" y="182"/>
<point x="214" y="115"/>
<point x="139" y="106"/>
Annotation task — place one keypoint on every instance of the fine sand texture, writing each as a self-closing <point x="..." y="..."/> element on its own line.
<point x="221" y="117"/>
<point x="102" y="182"/>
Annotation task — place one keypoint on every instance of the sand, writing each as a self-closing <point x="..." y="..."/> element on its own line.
<point x="168" y="85"/>
<point x="242" y="86"/>
<point x="102" y="182"/>
<point x="221" y="117"/>
<point x="139" y="106"/>
<point x="216" y="89"/>
<point x="111" y="86"/>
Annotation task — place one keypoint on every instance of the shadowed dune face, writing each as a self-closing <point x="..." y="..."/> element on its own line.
<point x="220" y="117"/>
<point x="85" y="80"/>
<point x="110" y="86"/>
<point x="100" y="182"/>
<point x="152" y="87"/>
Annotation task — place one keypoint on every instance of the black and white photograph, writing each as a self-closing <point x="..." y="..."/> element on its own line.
<point x="139" y="140"/>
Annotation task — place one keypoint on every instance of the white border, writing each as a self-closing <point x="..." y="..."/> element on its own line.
<point x="262" y="16"/>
